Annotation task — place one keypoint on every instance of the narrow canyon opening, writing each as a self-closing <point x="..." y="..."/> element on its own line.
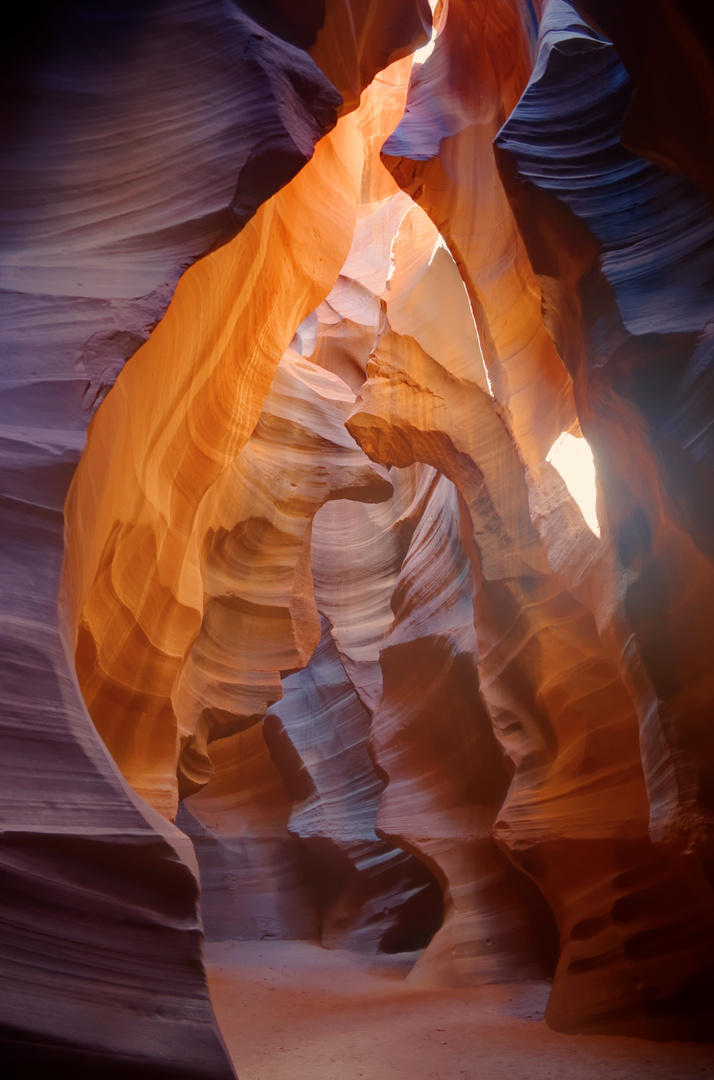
<point x="249" y="656"/>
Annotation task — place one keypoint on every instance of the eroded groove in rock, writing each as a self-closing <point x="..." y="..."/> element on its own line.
<point x="105" y="197"/>
<point x="126" y="155"/>
<point x="259" y="618"/>
<point x="360" y="38"/>
<point x="667" y="48"/>
<point x="256" y="880"/>
<point x="105" y="194"/>
<point x="447" y="775"/>
<point x="258" y="623"/>
<point x="135" y="560"/>
<point x="317" y="735"/>
<point x="440" y="153"/>
<point x="651" y="294"/>
<point x="357" y="551"/>
<point x="562" y="653"/>
<point x="553" y="696"/>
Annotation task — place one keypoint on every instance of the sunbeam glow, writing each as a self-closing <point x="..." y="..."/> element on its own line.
<point x="573" y="459"/>
<point x="426" y="50"/>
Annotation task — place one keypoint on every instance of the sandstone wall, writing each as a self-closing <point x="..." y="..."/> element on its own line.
<point x="311" y="585"/>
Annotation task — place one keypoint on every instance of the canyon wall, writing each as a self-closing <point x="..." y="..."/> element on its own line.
<point x="309" y="611"/>
<point x="136" y="138"/>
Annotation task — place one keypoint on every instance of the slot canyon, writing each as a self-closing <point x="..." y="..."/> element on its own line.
<point x="357" y="544"/>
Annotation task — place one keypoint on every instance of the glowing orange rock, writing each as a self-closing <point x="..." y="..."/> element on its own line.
<point x="567" y="655"/>
<point x="135" y="557"/>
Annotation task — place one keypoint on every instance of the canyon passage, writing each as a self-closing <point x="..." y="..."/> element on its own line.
<point x="356" y="457"/>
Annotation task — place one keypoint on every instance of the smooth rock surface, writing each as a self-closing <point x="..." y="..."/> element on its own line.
<point x="317" y="584"/>
<point x="135" y="138"/>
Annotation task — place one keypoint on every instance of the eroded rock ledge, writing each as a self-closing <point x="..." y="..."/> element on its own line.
<point x="326" y="601"/>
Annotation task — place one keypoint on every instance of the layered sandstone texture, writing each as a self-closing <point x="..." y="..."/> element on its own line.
<point x="316" y="586"/>
<point x="136" y="139"/>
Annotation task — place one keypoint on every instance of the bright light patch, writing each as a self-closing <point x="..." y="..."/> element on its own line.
<point x="480" y="348"/>
<point x="426" y="50"/>
<point x="573" y="459"/>
<point x="440" y="243"/>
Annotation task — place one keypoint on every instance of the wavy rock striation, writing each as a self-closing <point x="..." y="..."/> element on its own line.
<point x="326" y="596"/>
<point x="637" y="354"/>
<point x="447" y="777"/>
<point x="257" y="881"/>
<point x="135" y="138"/>
<point x="597" y="224"/>
<point x="317" y="734"/>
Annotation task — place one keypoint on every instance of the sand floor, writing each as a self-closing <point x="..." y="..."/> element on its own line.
<point x="294" y="1011"/>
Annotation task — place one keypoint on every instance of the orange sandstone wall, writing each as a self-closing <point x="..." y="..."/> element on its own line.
<point x="146" y="506"/>
<point x="568" y="245"/>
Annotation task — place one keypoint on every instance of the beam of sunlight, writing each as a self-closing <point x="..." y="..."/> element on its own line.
<point x="426" y="50"/>
<point x="573" y="459"/>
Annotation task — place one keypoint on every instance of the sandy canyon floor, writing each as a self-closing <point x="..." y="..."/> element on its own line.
<point x="294" y="1011"/>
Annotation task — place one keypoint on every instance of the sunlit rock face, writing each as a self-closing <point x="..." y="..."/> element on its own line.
<point x="136" y="137"/>
<point x="616" y="245"/>
<point x="328" y="599"/>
